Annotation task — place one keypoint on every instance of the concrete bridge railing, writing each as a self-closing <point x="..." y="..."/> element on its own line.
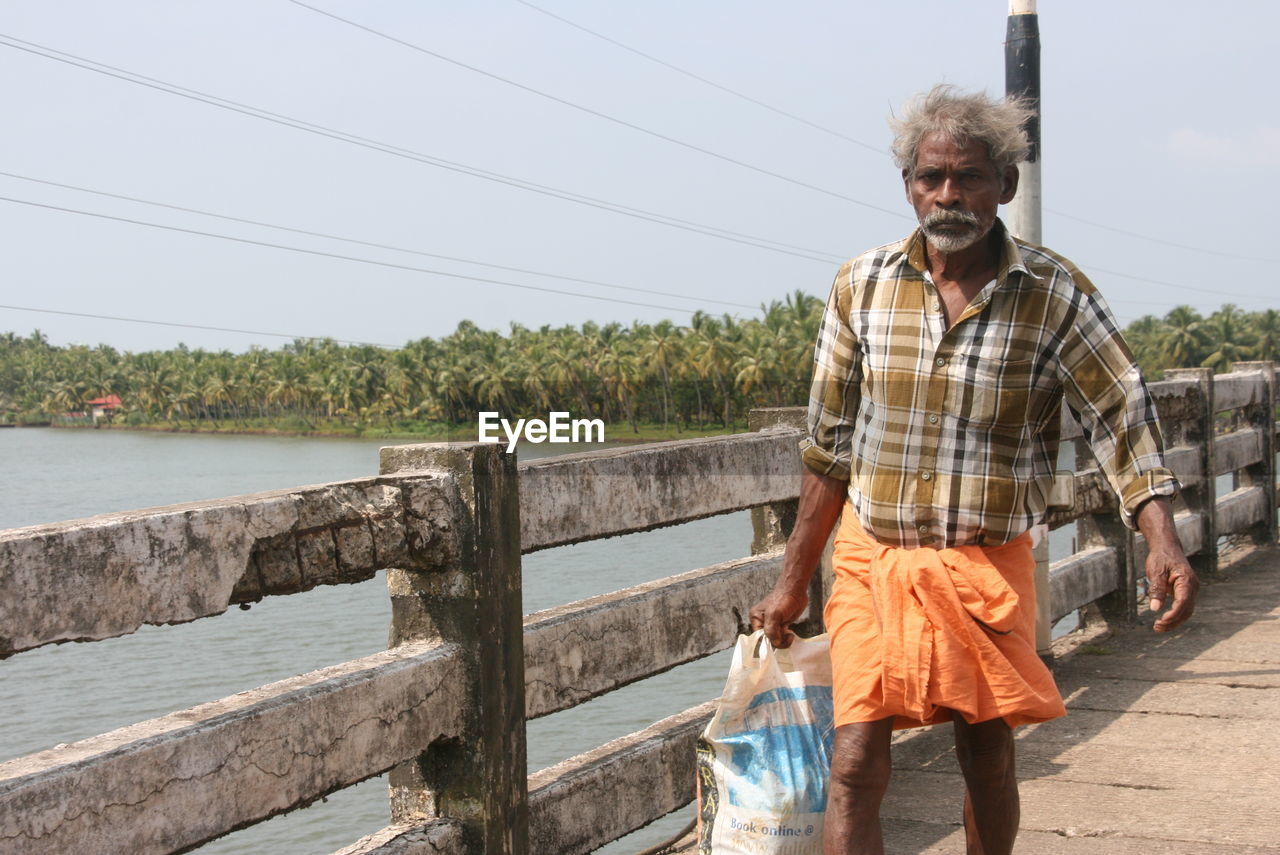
<point x="444" y="708"/>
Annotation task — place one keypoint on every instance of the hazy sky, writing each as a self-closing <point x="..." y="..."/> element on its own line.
<point x="1159" y="119"/>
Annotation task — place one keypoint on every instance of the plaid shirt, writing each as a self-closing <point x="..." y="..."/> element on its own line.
<point x="949" y="437"/>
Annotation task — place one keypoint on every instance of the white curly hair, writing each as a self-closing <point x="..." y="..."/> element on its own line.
<point x="999" y="124"/>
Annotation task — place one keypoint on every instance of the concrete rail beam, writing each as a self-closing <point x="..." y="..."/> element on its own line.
<point x="1177" y="399"/>
<point x="1237" y="389"/>
<point x="171" y="783"/>
<point x="1237" y="450"/>
<point x="106" y="576"/>
<point x="1184" y="462"/>
<point x="1080" y="579"/>
<point x="1093" y="496"/>
<point x="438" y="837"/>
<point x="604" y="493"/>
<point x="587" y="801"/>
<point x="579" y="651"/>
<point x="1240" y="509"/>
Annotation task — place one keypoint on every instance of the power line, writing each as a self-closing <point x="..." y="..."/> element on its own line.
<point x="1162" y="241"/>
<point x="191" y="326"/>
<point x="1147" y="279"/>
<point x="369" y="243"/>
<point x="598" y="114"/>
<point x="734" y="92"/>
<point x="602" y="204"/>
<point x="357" y="259"/>
<point x="868" y="146"/>
<point x="416" y="156"/>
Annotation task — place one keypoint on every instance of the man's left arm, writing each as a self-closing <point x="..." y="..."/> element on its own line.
<point x="1168" y="571"/>
<point x="1104" y="387"/>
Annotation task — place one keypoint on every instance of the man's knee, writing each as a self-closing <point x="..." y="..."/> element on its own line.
<point x="985" y="750"/>
<point x="860" y="760"/>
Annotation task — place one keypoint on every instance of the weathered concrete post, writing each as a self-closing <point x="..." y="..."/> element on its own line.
<point x="474" y="602"/>
<point x="772" y="524"/>
<point x="1261" y="415"/>
<point x="1198" y="433"/>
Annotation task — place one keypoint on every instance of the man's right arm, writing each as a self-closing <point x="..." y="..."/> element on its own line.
<point x="826" y="452"/>
<point x="821" y="499"/>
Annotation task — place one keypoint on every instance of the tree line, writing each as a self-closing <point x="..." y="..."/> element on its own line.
<point x="705" y="374"/>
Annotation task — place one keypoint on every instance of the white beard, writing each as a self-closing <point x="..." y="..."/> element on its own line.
<point x="949" y="242"/>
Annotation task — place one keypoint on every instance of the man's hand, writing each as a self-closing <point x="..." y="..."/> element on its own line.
<point x="775" y="614"/>
<point x="821" y="499"/>
<point x="1167" y="572"/>
<point x="1167" y="568"/>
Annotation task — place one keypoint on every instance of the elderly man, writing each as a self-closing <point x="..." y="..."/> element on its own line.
<point x="939" y="370"/>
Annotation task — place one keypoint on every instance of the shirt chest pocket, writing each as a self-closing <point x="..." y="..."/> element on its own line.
<point x="996" y="395"/>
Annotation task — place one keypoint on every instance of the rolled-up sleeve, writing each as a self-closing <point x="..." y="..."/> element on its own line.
<point x="833" y="394"/>
<point x="1104" y="388"/>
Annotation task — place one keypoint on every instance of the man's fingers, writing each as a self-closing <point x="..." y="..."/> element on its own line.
<point x="1159" y="586"/>
<point x="1184" y="588"/>
<point x="774" y="614"/>
<point x="776" y="631"/>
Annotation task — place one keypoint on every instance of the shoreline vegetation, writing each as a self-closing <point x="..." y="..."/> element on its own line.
<point x="429" y="432"/>
<point x="645" y="381"/>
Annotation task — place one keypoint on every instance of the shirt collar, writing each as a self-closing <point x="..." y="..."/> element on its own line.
<point x="913" y="249"/>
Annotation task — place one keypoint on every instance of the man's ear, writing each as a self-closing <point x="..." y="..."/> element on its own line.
<point x="906" y="182"/>
<point x="1008" y="184"/>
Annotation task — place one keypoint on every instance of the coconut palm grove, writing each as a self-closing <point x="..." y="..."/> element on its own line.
<point x="643" y="379"/>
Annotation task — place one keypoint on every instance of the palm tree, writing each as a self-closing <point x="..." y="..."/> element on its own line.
<point x="661" y="348"/>
<point x="1265" y="327"/>
<point x="1228" y="333"/>
<point x="155" y="383"/>
<point x="1185" y="344"/>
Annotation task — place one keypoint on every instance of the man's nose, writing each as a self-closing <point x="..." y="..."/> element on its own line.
<point x="948" y="193"/>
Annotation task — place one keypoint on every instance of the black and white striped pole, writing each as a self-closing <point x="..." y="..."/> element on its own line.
<point x="1022" y="79"/>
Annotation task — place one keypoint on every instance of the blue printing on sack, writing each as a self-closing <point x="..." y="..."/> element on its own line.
<point x="817" y="697"/>
<point x="796" y="757"/>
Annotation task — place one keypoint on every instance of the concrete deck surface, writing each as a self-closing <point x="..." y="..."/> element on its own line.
<point x="1170" y="747"/>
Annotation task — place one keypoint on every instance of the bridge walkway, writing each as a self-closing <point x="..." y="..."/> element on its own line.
<point x="1170" y="746"/>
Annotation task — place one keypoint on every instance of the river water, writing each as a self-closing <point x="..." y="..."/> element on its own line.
<point x="67" y="692"/>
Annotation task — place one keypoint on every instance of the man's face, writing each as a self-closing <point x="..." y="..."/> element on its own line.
<point x="955" y="191"/>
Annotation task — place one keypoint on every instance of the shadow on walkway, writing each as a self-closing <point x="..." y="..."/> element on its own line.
<point x="1168" y="745"/>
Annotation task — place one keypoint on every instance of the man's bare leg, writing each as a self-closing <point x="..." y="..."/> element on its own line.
<point x="860" y="769"/>
<point x="991" y="808"/>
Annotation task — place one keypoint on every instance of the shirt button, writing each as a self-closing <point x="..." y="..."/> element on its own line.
<point x="922" y="528"/>
<point x="933" y="418"/>
<point x="940" y="361"/>
<point x="937" y="307"/>
<point x="926" y="475"/>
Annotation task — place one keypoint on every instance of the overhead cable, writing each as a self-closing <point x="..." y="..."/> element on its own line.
<point x="373" y="244"/>
<point x="687" y="73"/>
<point x="193" y="326"/>
<point x="817" y="188"/>
<point x="602" y="204"/>
<point x="340" y="256"/>
<point x="1218" y="291"/>
<point x="1162" y="241"/>
<point x="410" y="154"/>
<point x="868" y="146"/>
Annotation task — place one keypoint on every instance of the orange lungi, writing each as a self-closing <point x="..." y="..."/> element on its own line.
<point x="917" y="633"/>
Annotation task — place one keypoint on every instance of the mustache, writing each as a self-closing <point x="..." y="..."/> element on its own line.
<point x="950" y="218"/>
